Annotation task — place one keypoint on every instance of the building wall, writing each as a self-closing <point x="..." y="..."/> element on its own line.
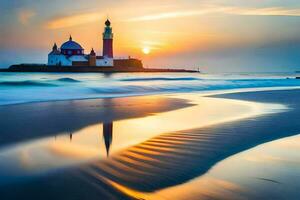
<point x="53" y="59"/>
<point x="63" y="60"/>
<point x="128" y="63"/>
<point x="59" y="60"/>
<point x="106" y="62"/>
<point x="77" y="58"/>
<point x="92" y="60"/>
<point x="80" y="63"/>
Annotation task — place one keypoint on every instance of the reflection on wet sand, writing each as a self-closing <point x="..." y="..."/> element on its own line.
<point x="149" y="153"/>
<point x="144" y="170"/>
<point x="86" y="145"/>
<point x="37" y="120"/>
<point x="176" y="157"/>
<point x="107" y="135"/>
<point x="268" y="171"/>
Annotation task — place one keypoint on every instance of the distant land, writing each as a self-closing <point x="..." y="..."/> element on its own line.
<point x="85" y="69"/>
<point x="70" y="57"/>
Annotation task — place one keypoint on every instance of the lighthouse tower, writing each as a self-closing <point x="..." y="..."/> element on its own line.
<point x="107" y="40"/>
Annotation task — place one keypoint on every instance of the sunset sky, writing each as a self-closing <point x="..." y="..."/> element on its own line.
<point x="214" y="35"/>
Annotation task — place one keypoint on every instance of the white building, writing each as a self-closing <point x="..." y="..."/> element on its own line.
<point x="71" y="53"/>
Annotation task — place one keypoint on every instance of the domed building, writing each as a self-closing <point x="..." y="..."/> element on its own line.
<point x="71" y="53"/>
<point x="71" y="48"/>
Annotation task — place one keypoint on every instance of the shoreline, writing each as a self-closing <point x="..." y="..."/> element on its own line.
<point x="200" y="148"/>
<point x="75" y="109"/>
<point x="164" y="117"/>
<point x="210" y="93"/>
<point x="70" y="115"/>
<point x="157" y="163"/>
<point x="262" y="172"/>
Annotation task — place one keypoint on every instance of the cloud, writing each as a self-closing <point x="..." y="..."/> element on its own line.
<point x="83" y="18"/>
<point x="169" y="15"/>
<point x="24" y="16"/>
<point x="271" y="11"/>
<point x="74" y="20"/>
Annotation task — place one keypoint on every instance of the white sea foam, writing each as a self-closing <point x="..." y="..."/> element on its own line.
<point x="35" y="87"/>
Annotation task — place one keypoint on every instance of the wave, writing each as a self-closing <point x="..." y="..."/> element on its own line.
<point x="112" y="91"/>
<point x="24" y="83"/>
<point x="162" y="79"/>
<point x="48" y="87"/>
<point x="71" y="80"/>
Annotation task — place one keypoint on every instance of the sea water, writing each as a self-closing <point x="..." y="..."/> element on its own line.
<point x="35" y="87"/>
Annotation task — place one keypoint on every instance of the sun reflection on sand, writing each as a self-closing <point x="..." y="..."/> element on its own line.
<point x="245" y="175"/>
<point x="91" y="143"/>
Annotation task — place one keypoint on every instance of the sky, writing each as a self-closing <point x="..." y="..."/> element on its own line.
<point x="212" y="35"/>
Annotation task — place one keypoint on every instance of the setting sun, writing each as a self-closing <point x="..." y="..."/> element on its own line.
<point x="146" y="50"/>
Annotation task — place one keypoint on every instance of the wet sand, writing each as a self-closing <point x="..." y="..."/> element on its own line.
<point x="173" y="157"/>
<point x="24" y="122"/>
<point x="267" y="171"/>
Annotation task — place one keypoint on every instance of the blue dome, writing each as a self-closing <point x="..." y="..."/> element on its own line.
<point x="71" y="45"/>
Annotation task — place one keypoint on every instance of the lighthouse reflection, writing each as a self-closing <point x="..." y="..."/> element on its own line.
<point x="107" y="135"/>
<point x="107" y="132"/>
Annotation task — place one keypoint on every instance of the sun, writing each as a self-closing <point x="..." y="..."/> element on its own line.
<point x="146" y="50"/>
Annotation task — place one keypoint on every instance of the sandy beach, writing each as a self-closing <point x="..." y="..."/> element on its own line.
<point x="150" y="100"/>
<point x="135" y="147"/>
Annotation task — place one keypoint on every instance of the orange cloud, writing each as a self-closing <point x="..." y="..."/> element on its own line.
<point x="73" y="20"/>
<point x="25" y="16"/>
<point x="169" y="15"/>
<point x="271" y="11"/>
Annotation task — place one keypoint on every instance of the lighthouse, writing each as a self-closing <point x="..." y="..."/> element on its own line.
<point x="71" y="53"/>
<point x="107" y="40"/>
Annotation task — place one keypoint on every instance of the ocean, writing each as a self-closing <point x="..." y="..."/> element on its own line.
<point x="179" y="144"/>
<point x="36" y="87"/>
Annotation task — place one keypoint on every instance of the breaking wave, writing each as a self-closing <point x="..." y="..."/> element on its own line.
<point x="25" y="83"/>
<point x="34" y="87"/>
<point x="71" y="80"/>
<point x="162" y="79"/>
